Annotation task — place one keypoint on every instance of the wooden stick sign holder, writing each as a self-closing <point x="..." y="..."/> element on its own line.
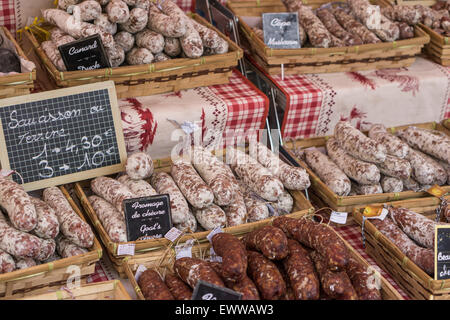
<point x="62" y="136"/>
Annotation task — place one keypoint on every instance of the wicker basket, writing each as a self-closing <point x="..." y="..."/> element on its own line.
<point x="322" y="60"/>
<point x="446" y="123"/>
<point x="16" y="84"/>
<point x="154" y="78"/>
<point x="301" y="207"/>
<point x="413" y="280"/>
<point x="20" y="283"/>
<point x="163" y="262"/>
<point x="107" y="290"/>
<point x="347" y="203"/>
<point x="438" y="49"/>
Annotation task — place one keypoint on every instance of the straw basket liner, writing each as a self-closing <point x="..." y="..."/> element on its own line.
<point x="20" y="283"/>
<point x="413" y="280"/>
<point x="347" y="203"/>
<point x="107" y="290"/>
<point x="154" y="78"/>
<point x="163" y="261"/>
<point x="82" y="189"/>
<point x="16" y="84"/>
<point x="438" y="49"/>
<point x="322" y="60"/>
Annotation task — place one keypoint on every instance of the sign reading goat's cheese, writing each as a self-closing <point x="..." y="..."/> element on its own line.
<point x="281" y="30"/>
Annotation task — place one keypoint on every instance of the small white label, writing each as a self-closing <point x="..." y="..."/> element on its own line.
<point x="213" y="256"/>
<point x="184" y="250"/>
<point x="338" y="217"/>
<point x="173" y="234"/>
<point x="139" y="271"/>
<point x="212" y="233"/>
<point x="382" y="215"/>
<point x="125" y="249"/>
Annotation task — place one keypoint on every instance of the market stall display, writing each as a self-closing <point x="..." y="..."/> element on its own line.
<point x="196" y="187"/>
<point x="400" y="244"/>
<point x="354" y="165"/>
<point x="326" y="52"/>
<point x="290" y="274"/>
<point x="433" y="17"/>
<point x="58" y="238"/>
<point x="17" y="72"/>
<point x="140" y="42"/>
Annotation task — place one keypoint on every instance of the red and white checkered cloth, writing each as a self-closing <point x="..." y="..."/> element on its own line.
<point x="186" y="5"/>
<point x="316" y="102"/>
<point x="7" y="15"/>
<point x="352" y="234"/>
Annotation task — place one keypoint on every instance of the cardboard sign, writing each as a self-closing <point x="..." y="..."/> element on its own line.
<point x="281" y="30"/>
<point x="62" y="136"/>
<point x="442" y="252"/>
<point x="148" y="217"/>
<point x="84" y="54"/>
<point x="208" y="291"/>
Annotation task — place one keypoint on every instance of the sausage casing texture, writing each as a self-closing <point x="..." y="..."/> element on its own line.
<point x="360" y="171"/>
<point x="139" y="166"/>
<point x="353" y="26"/>
<point x="137" y="22"/>
<point x="234" y="256"/>
<point x="7" y="263"/>
<point x="236" y="212"/>
<point x="168" y="26"/>
<point x="70" y="224"/>
<point x="18" y="205"/>
<point x="362" y="280"/>
<point x="164" y="184"/>
<point x="178" y="289"/>
<point x="266" y="276"/>
<point x="394" y="146"/>
<point x="318" y="236"/>
<point x="258" y="178"/>
<point x="25" y="263"/>
<point x="191" y="270"/>
<point x="300" y="271"/>
<point x="111" y="219"/>
<point x="211" y="217"/>
<point x="284" y="204"/>
<point x="335" y="28"/>
<point x="140" y="188"/>
<point x="391" y="184"/>
<point x="328" y="172"/>
<point x="416" y="226"/>
<point x="423" y="257"/>
<point x="425" y="170"/>
<point x="152" y="286"/>
<point x="336" y="284"/>
<point x="293" y="178"/>
<point x="66" y="248"/>
<point x="47" y="224"/>
<point x="150" y="40"/>
<point x="357" y="144"/>
<point x="117" y="11"/>
<point x="365" y="189"/>
<point x="112" y="191"/>
<point x="431" y="142"/>
<point x="195" y="190"/>
<point x="188" y="226"/>
<point x="270" y="241"/>
<point x="395" y="167"/>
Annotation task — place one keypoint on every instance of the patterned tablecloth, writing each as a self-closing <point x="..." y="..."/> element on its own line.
<point x="218" y="114"/>
<point x="314" y="103"/>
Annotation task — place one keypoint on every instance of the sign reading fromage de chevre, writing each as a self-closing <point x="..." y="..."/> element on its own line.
<point x="281" y="30"/>
<point x="147" y="217"/>
<point x="85" y="54"/>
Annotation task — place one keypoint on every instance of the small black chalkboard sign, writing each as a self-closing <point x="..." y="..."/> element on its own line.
<point x="442" y="252"/>
<point x="84" y="54"/>
<point x="207" y="291"/>
<point x="281" y="30"/>
<point x="147" y="217"/>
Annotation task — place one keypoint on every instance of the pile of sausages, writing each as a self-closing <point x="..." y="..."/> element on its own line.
<point x="357" y="23"/>
<point x="291" y="260"/>
<point x="133" y="32"/>
<point x="36" y="231"/>
<point x="204" y="191"/>
<point x="356" y="164"/>
<point x="436" y="17"/>
<point x="412" y="233"/>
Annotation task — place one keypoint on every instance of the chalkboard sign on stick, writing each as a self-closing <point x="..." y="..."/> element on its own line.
<point x="62" y="136"/>
<point x="442" y="252"/>
<point x="147" y="217"/>
<point x="207" y="291"/>
<point x="281" y="30"/>
<point x="84" y="54"/>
